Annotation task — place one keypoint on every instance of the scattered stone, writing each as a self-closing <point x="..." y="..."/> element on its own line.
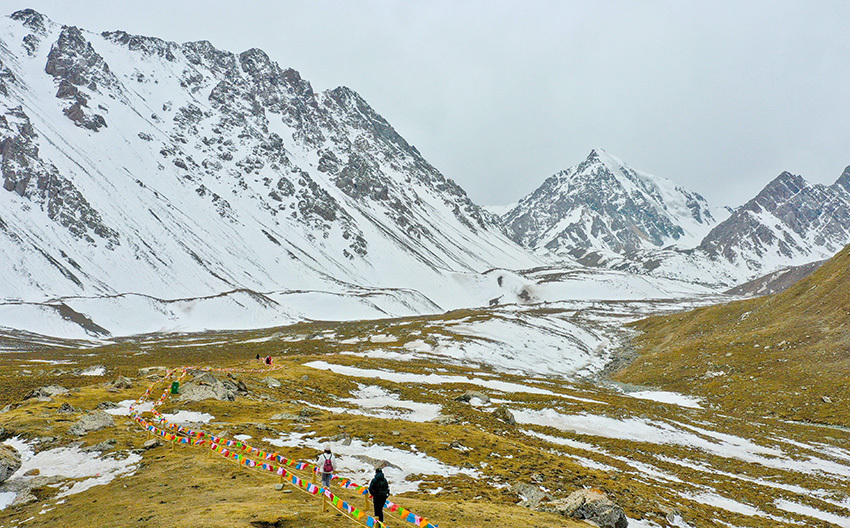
<point x="530" y="496"/>
<point x="106" y="445"/>
<point x="375" y="462"/>
<point x="151" y="443"/>
<point x="23" y="497"/>
<point x="66" y="408"/>
<point x="147" y="371"/>
<point x="120" y="384"/>
<point x="447" y="420"/>
<point x="468" y="396"/>
<point x="271" y="382"/>
<point x="504" y="414"/>
<point x="826" y="399"/>
<point x="93" y="421"/>
<point x="590" y="505"/>
<point x="10" y="461"/>
<point x="285" y="416"/>
<point x="34" y="472"/>
<point x="107" y="405"/>
<point x="48" y="391"/>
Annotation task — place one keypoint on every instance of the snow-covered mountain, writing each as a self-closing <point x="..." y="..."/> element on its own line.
<point x="603" y="213"/>
<point x="603" y="204"/>
<point x="135" y="165"/>
<point x="790" y="222"/>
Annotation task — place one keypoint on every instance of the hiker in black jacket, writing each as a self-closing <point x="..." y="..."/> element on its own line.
<point x="380" y="490"/>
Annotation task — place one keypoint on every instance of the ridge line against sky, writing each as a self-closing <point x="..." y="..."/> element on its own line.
<point x="718" y="97"/>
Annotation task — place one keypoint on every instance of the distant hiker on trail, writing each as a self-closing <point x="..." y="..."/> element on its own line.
<point x="380" y="490"/>
<point x="325" y="465"/>
<point x="269" y="360"/>
<point x="258" y="357"/>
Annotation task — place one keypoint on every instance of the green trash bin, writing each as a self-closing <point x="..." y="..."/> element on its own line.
<point x="175" y="387"/>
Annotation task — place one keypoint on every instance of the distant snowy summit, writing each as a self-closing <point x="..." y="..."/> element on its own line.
<point x="604" y="204"/>
<point x="604" y="213"/>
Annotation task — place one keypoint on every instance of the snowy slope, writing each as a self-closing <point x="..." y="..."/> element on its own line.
<point x="131" y="165"/>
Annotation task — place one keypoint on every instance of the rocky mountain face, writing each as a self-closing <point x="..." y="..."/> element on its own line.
<point x="790" y="222"/>
<point x="604" y="204"/>
<point x="132" y="164"/>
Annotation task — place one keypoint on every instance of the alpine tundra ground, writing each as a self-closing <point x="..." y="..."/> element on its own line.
<point x="385" y="390"/>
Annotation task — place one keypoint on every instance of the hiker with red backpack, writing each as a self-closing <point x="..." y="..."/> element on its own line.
<point x="325" y="465"/>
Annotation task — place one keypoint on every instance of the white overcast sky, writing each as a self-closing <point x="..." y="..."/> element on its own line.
<point x="719" y="97"/>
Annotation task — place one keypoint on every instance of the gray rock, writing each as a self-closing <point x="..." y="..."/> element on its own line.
<point x="375" y="462"/>
<point x="93" y="421"/>
<point x="469" y="395"/>
<point x="529" y="494"/>
<point x="590" y="505"/>
<point x="447" y="420"/>
<point x="10" y="461"/>
<point x="48" y="391"/>
<point x="106" y="445"/>
<point x="271" y="382"/>
<point x="66" y="408"/>
<point x="147" y="371"/>
<point x="107" y="405"/>
<point x="152" y="443"/>
<point x="120" y="384"/>
<point x="504" y="414"/>
<point x="207" y="387"/>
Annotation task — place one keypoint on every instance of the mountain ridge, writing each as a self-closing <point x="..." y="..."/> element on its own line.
<point x="224" y="151"/>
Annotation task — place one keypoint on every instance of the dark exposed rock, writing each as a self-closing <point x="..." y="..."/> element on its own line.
<point x="10" y="461"/>
<point x="48" y="391"/>
<point x="468" y="396"/>
<point x="504" y="414"/>
<point x="590" y="505"/>
<point x="93" y="421"/>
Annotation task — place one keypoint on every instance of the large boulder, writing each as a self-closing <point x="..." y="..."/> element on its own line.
<point x="590" y="505"/>
<point x="93" y="421"/>
<point x="47" y="392"/>
<point x="10" y="461"/>
<point x="504" y="414"/>
<point x="207" y="387"/>
<point x="473" y="398"/>
<point x="121" y="383"/>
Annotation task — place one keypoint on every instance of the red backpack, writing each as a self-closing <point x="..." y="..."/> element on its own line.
<point x="328" y="466"/>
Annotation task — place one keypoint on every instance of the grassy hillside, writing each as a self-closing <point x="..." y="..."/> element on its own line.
<point x="785" y="355"/>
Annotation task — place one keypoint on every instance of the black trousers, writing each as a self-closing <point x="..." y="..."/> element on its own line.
<point x="379" y="506"/>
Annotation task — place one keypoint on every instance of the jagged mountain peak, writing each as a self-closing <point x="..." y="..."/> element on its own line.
<point x="843" y="181"/>
<point x="602" y="203"/>
<point x="33" y="20"/>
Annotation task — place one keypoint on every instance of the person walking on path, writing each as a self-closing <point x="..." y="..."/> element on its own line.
<point x="380" y="490"/>
<point x="325" y="464"/>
